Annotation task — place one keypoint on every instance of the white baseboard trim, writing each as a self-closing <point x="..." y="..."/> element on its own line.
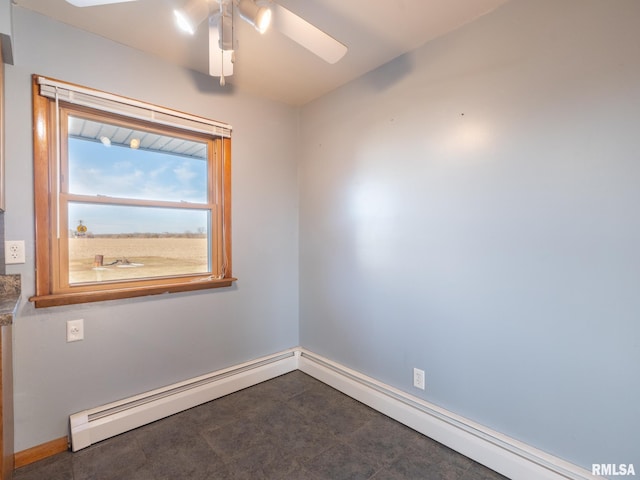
<point x="91" y="426"/>
<point x="512" y="458"/>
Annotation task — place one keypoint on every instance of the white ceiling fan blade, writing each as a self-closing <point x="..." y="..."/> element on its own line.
<point x="307" y="35"/>
<point x="220" y="61"/>
<point x="92" y="3"/>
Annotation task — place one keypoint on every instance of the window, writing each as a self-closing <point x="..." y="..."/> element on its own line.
<point x="131" y="199"/>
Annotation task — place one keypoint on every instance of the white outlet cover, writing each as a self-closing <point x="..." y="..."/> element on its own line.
<point x="75" y="330"/>
<point x="14" y="252"/>
<point x="418" y="378"/>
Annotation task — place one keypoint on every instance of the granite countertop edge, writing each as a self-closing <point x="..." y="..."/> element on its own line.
<point x="9" y="298"/>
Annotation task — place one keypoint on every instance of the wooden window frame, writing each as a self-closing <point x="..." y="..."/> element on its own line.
<point x="49" y="290"/>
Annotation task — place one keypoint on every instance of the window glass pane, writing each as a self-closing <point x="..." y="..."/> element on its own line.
<point x="121" y="162"/>
<point x="109" y="243"/>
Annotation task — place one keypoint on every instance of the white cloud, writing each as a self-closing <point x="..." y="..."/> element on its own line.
<point x="184" y="173"/>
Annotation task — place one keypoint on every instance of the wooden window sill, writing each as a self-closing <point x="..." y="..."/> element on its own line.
<point x="59" y="299"/>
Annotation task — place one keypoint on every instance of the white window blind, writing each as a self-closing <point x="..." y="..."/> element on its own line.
<point x="111" y="103"/>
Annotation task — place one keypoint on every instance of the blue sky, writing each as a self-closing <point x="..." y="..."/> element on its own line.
<point x="122" y="172"/>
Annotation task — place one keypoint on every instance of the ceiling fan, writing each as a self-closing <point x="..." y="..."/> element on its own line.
<point x="221" y="15"/>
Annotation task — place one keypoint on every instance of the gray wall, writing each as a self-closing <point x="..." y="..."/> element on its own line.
<point x="471" y="209"/>
<point x="468" y="209"/>
<point x="136" y="345"/>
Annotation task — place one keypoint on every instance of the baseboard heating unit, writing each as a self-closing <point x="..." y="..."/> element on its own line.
<point x="91" y="426"/>
<point x="514" y="459"/>
<point x="510" y="457"/>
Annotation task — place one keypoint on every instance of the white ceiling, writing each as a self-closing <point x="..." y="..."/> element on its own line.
<point x="271" y="65"/>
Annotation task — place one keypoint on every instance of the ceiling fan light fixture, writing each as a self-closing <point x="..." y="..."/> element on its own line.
<point x="220" y="59"/>
<point x="263" y="19"/>
<point x="192" y="15"/>
<point x="257" y="15"/>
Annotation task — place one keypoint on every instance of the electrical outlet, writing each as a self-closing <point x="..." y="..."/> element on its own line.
<point x="13" y="252"/>
<point x="418" y="378"/>
<point x="75" y="330"/>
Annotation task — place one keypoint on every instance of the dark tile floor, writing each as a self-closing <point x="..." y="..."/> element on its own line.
<point x="292" y="427"/>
